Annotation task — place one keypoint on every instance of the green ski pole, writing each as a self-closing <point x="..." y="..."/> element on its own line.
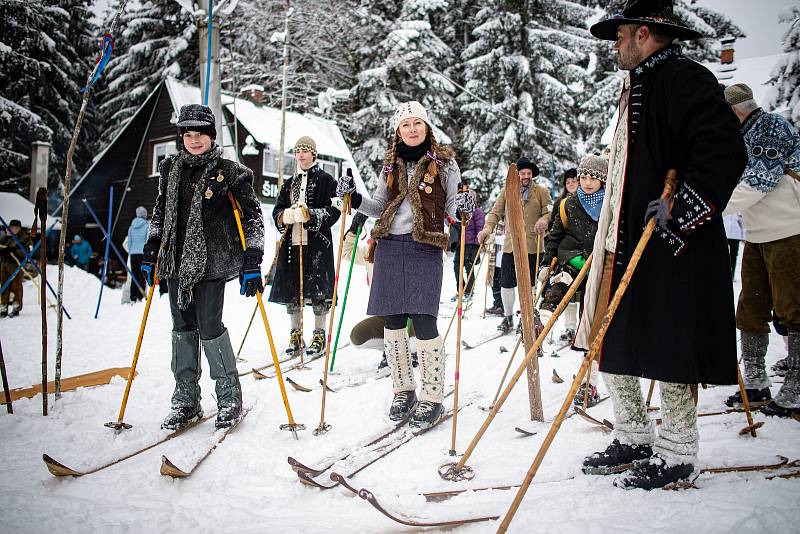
<point x="344" y="300"/>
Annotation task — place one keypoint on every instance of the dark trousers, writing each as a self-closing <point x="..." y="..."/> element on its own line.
<point x="204" y="313"/>
<point x="15" y="286"/>
<point x="733" y="249"/>
<point x="470" y="251"/>
<point x="508" y="275"/>
<point x="498" y="299"/>
<point x="136" y="269"/>
<point x="769" y="281"/>
<point x="424" y="326"/>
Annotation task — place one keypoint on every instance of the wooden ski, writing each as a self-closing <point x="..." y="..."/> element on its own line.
<point x="168" y="468"/>
<point x="58" y="469"/>
<point x="95" y="378"/>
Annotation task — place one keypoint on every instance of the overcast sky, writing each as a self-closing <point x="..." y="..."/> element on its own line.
<point x="758" y="19"/>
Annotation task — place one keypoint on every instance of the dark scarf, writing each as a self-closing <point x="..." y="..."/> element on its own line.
<point x="641" y="77"/>
<point x="592" y="202"/>
<point x="412" y="154"/>
<point x="192" y="265"/>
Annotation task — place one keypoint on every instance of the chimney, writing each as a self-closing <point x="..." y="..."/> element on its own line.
<point x="726" y="50"/>
<point x="254" y="93"/>
<point x="40" y="160"/>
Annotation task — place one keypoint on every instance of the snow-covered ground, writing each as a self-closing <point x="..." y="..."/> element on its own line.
<point x="246" y="485"/>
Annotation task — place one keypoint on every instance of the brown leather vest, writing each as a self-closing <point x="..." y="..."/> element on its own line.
<point x="427" y="196"/>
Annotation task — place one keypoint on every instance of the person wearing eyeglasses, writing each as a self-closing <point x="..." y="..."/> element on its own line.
<point x="768" y="198"/>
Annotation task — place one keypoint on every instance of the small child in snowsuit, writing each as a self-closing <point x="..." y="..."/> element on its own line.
<point x="570" y="240"/>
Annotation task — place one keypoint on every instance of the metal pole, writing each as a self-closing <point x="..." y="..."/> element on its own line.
<point x="210" y="86"/>
<point x="282" y="147"/>
<point x="105" y="256"/>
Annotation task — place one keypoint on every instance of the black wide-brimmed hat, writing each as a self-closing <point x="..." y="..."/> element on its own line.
<point x="657" y="13"/>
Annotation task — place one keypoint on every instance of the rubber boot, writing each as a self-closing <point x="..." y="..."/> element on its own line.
<point x="222" y="363"/>
<point x="186" y="370"/>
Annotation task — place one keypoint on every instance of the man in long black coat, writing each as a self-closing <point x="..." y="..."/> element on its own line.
<point x="304" y="212"/>
<point x="675" y="323"/>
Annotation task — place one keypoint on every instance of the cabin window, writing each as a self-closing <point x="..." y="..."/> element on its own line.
<point x="331" y="167"/>
<point x="159" y="152"/>
<point x="270" y="165"/>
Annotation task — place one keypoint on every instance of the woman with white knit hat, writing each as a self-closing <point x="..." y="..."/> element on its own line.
<point x="418" y="187"/>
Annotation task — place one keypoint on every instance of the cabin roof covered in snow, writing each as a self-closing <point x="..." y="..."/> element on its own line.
<point x="15" y="206"/>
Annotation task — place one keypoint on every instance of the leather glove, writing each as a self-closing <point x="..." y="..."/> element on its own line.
<point x="358" y="222"/>
<point x="149" y="258"/>
<point x="543" y="274"/>
<point x="660" y="209"/>
<point x="346" y="184"/>
<point x="250" y="280"/>
<point x="577" y="262"/>
<point x="288" y="216"/>
<point x="465" y="204"/>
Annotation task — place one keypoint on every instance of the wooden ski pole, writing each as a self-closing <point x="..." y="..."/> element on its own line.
<point x="669" y="189"/>
<point x="459" y="311"/>
<point x="323" y="426"/>
<point x="119" y="424"/>
<point x="344" y="300"/>
<point x="460" y="471"/>
<point x="649" y="394"/>
<point x="302" y="302"/>
<point x="751" y="427"/>
<point x="505" y="373"/>
<point x="472" y="291"/>
<point x="291" y="425"/>
<point x="6" y="390"/>
<point x="246" y="331"/>
<point x="538" y="258"/>
<point x="41" y="210"/>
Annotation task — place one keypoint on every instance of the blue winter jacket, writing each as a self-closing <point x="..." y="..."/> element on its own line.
<point x="137" y="235"/>
<point x="81" y="252"/>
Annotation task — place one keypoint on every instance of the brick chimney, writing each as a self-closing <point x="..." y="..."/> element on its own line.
<point x="726" y="50"/>
<point x="254" y="93"/>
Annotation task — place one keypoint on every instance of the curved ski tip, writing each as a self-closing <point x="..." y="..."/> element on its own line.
<point x="58" y="469"/>
<point x="258" y="375"/>
<point x="169" y="469"/>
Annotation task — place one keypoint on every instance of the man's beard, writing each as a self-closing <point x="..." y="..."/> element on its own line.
<point x="629" y="57"/>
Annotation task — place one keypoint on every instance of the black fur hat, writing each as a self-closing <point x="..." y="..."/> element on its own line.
<point x="525" y="163"/>
<point x="648" y="12"/>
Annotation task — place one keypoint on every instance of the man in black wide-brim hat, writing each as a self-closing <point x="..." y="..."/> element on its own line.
<point x="675" y="323"/>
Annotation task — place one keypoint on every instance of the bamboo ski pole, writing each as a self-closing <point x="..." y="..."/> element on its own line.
<point x="519" y="338"/>
<point x="6" y="390"/>
<point x="594" y="349"/>
<point x="460" y="471"/>
<point x="323" y="426"/>
<point x="119" y="424"/>
<point x="291" y="425"/>
<point x="458" y="330"/>
<point x="538" y="258"/>
<point x="649" y="394"/>
<point x="472" y="290"/>
<point x="302" y="302"/>
<point x="255" y="308"/>
<point x="344" y="300"/>
<point x="41" y="210"/>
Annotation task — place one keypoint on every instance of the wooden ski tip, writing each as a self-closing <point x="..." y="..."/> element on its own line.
<point x="503" y="348"/>
<point x="58" y="469"/>
<point x="298" y="387"/>
<point x="169" y="469"/>
<point x="526" y="433"/>
<point x="258" y="375"/>
<point x="451" y="472"/>
<point x="556" y="379"/>
<point x="330" y="389"/>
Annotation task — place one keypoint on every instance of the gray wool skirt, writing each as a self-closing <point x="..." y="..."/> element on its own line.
<point x="407" y="277"/>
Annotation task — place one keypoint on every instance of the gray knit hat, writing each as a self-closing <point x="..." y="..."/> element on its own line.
<point x="595" y="166"/>
<point x="141" y="211"/>
<point x="738" y="93"/>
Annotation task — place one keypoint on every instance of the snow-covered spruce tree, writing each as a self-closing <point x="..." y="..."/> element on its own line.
<point x="45" y="56"/>
<point x="404" y="59"/>
<point x="521" y="74"/>
<point x="785" y="90"/>
<point x="158" y="38"/>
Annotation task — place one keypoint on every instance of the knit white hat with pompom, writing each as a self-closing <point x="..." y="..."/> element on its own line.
<point x="412" y="108"/>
